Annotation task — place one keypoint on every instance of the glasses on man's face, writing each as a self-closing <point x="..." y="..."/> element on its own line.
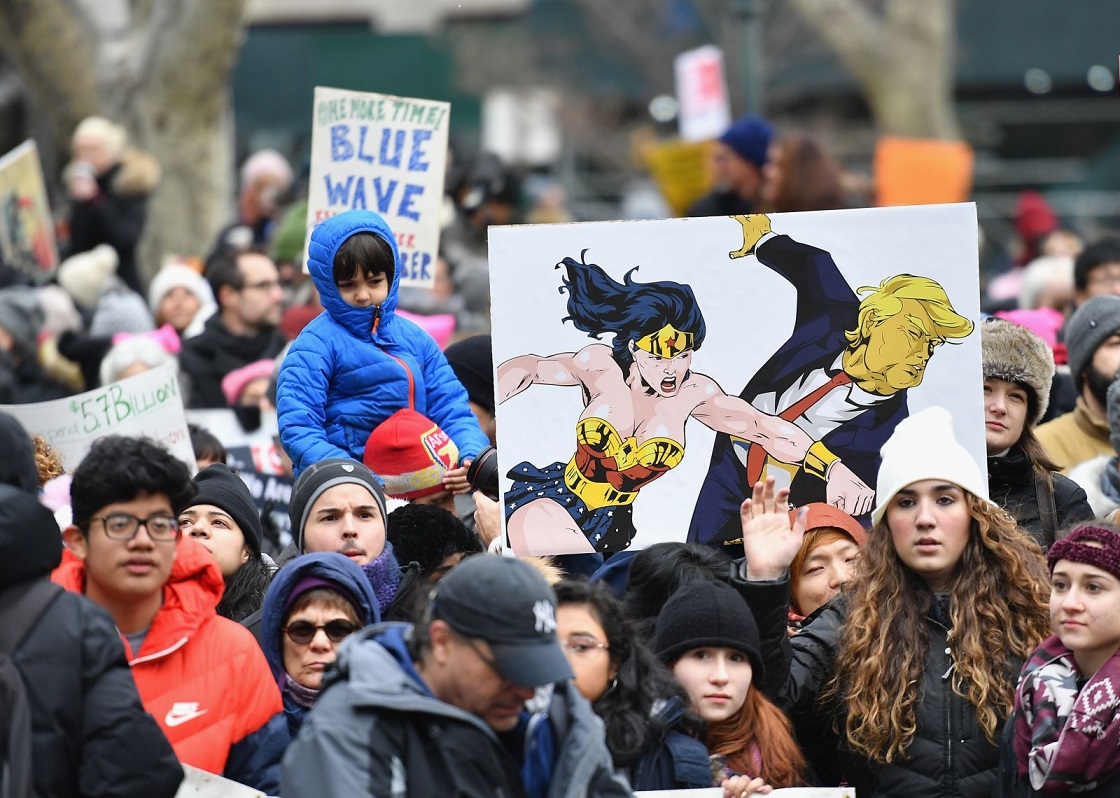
<point x="124" y="526"/>
<point x="302" y="632"/>
<point x="266" y="285"/>
<point x="582" y="646"/>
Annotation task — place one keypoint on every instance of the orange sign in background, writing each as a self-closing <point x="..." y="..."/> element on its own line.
<point x="922" y="171"/>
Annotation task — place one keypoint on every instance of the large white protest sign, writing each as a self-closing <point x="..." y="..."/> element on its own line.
<point x="148" y="405"/>
<point x="386" y="154"/>
<point x="648" y="372"/>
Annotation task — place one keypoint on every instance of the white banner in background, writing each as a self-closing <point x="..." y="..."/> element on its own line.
<point x="702" y="92"/>
<point x="148" y="405"/>
<point x="384" y="154"/>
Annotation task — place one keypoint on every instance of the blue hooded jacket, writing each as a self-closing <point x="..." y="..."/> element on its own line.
<point x="351" y="368"/>
<point x="330" y="566"/>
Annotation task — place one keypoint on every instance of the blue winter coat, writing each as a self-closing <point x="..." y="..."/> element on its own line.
<point x="351" y="368"/>
<point x="331" y="566"/>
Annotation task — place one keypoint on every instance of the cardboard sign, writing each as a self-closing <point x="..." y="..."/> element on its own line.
<point x="26" y="227"/>
<point x="386" y="154"/>
<point x="147" y="405"/>
<point x="921" y="171"/>
<point x="680" y="169"/>
<point x="649" y="371"/>
<point x="702" y="93"/>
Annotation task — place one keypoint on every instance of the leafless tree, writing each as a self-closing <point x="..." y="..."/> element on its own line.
<point x="159" y="67"/>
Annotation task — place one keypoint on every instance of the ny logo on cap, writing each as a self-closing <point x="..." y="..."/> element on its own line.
<point x="545" y="616"/>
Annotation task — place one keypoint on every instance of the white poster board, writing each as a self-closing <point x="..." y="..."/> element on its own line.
<point x="386" y="154"/>
<point x="201" y="784"/>
<point x="589" y="446"/>
<point x="702" y="93"/>
<point x="147" y="405"/>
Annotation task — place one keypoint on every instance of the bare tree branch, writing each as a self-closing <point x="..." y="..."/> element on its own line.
<point x="852" y="30"/>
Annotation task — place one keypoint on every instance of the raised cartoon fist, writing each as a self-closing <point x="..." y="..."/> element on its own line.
<point x="848" y="492"/>
<point x="755" y="227"/>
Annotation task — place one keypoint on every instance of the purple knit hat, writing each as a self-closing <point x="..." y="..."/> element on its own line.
<point x="309" y="583"/>
<point x="1092" y="545"/>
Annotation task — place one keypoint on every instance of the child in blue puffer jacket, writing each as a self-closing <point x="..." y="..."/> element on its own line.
<point x="357" y="363"/>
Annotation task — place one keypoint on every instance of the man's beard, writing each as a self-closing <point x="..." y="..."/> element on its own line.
<point x="1098" y="383"/>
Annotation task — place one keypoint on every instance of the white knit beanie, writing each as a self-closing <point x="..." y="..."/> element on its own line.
<point x="84" y="275"/>
<point x="175" y="275"/>
<point x="923" y="446"/>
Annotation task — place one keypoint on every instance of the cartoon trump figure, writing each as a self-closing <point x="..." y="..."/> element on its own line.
<point x="841" y="378"/>
<point x="639" y="391"/>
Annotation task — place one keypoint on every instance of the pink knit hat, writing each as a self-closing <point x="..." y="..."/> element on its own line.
<point x="234" y="382"/>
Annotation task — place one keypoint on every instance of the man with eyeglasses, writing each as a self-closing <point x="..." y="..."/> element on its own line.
<point x="202" y="677"/>
<point x="245" y="329"/>
<point x="440" y="706"/>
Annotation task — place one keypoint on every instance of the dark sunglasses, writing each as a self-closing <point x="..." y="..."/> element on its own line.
<point x="302" y="632"/>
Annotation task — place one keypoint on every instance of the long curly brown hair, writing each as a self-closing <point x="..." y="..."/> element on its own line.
<point x="999" y="611"/>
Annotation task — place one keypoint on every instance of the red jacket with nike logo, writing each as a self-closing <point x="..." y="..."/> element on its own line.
<point x="204" y="677"/>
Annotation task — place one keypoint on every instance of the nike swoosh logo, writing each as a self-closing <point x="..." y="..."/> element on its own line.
<point x="179" y="718"/>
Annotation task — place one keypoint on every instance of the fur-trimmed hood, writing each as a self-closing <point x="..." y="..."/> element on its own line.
<point x="139" y="173"/>
<point x="1015" y="354"/>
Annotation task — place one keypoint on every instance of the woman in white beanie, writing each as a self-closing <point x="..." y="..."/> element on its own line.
<point x="180" y="296"/>
<point x="914" y="665"/>
<point x="1018" y="369"/>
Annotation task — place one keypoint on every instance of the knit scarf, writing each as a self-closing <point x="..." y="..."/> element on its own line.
<point x="298" y="694"/>
<point x="384" y="576"/>
<point x="1066" y="738"/>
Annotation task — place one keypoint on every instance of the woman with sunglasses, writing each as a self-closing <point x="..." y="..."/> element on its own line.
<point x="644" y="710"/>
<point x="313" y="604"/>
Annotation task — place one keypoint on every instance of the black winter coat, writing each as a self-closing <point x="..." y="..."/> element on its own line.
<point x="1011" y="486"/>
<point x="215" y="352"/>
<point x="950" y="755"/>
<point x="90" y="734"/>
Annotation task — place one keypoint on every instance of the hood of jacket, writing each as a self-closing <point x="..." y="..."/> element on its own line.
<point x="379" y="670"/>
<point x="190" y="595"/>
<point x="136" y="173"/>
<point x="326" y="238"/>
<point x="17" y="467"/>
<point x="331" y="566"/>
<point x="30" y="543"/>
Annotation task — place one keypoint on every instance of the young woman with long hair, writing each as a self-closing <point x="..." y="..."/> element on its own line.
<point x="709" y="639"/>
<point x="1018" y="368"/>
<point x="644" y="709"/>
<point x="915" y="664"/>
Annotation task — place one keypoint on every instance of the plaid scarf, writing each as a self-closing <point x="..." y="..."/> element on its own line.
<point x="1066" y="738"/>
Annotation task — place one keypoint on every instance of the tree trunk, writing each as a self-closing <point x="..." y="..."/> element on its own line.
<point x="161" y="69"/>
<point x="903" y="59"/>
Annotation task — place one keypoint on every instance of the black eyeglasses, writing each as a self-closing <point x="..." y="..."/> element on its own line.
<point x="124" y="526"/>
<point x="302" y="632"/>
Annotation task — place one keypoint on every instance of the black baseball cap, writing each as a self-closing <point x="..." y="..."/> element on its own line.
<point x="507" y="603"/>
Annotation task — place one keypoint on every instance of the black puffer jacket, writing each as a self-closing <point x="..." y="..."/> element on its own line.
<point x="90" y="733"/>
<point x="1011" y="486"/>
<point x="215" y="352"/>
<point x="950" y="755"/>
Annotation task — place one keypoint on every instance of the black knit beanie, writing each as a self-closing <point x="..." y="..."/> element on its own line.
<point x="707" y="614"/>
<point x="428" y="535"/>
<point x="322" y="476"/>
<point x="220" y="487"/>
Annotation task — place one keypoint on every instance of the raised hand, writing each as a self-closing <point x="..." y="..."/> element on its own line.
<point x="770" y="541"/>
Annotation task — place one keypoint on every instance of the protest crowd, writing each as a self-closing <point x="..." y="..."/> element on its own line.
<point x="373" y="633"/>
